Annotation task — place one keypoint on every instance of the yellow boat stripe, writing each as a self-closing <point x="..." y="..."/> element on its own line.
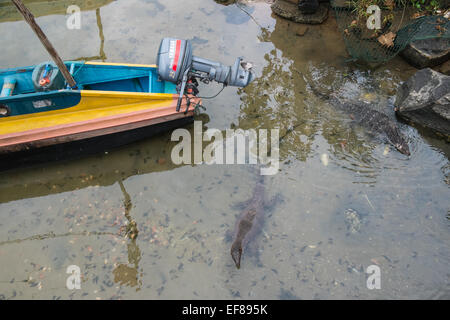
<point x="93" y="105"/>
<point x="122" y="64"/>
<point x="125" y="94"/>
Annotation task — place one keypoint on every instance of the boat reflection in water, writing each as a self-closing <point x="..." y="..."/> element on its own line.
<point x="39" y="8"/>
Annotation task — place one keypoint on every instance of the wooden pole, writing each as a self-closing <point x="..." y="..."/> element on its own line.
<point x="51" y="50"/>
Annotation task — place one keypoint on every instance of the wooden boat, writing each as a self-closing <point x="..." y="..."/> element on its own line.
<point x="110" y="99"/>
<point x="48" y="105"/>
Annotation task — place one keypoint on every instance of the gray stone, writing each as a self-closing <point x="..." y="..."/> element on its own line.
<point x="425" y="99"/>
<point x="290" y="11"/>
<point x="225" y="2"/>
<point x="445" y="3"/>
<point x="427" y="53"/>
<point x="444" y="68"/>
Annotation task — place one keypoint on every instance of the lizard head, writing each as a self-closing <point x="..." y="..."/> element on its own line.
<point x="403" y="148"/>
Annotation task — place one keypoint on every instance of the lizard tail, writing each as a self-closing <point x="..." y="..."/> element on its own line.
<point x="317" y="92"/>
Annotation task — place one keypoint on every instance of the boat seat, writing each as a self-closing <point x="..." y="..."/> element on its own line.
<point x="47" y="77"/>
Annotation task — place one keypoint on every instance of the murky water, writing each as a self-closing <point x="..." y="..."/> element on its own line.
<point x="348" y="200"/>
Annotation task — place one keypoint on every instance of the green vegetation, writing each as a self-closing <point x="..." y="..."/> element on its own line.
<point x="419" y="8"/>
<point x="427" y="5"/>
<point x="401" y="22"/>
<point x="424" y="6"/>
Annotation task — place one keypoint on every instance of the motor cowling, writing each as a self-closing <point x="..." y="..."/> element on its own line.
<point x="174" y="58"/>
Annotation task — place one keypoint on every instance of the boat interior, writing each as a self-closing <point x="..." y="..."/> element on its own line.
<point x="28" y="89"/>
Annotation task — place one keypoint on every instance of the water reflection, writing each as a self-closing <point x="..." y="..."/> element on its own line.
<point x="56" y="31"/>
<point x="123" y="273"/>
<point x="81" y="171"/>
<point x="235" y="17"/>
<point x="280" y="97"/>
<point x="102" y="55"/>
<point x="8" y="12"/>
<point x="103" y="169"/>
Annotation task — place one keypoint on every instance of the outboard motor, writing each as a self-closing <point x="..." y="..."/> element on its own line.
<point x="178" y="65"/>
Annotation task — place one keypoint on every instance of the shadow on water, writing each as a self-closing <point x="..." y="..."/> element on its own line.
<point x="73" y="167"/>
<point x="97" y="162"/>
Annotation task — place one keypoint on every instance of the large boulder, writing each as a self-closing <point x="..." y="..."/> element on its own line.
<point x="425" y="99"/>
<point x="427" y="53"/>
<point x="291" y="11"/>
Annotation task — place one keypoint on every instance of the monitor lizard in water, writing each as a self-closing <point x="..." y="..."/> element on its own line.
<point x="367" y="117"/>
<point x="250" y="221"/>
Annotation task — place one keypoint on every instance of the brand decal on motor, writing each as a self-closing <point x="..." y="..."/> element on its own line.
<point x="174" y="55"/>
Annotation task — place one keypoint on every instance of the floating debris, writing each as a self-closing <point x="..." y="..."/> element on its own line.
<point x="370" y="203"/>
<point x="387" y="39"/>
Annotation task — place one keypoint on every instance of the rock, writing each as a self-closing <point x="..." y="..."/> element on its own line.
<point x="427" y="53"/>
<point x="444" y="68"/>
<point x="225" y="2"/>
<point x="308" y="6"/>
<point x="445" y="3"/>
<point x="291" y="11"/>
<point x="425" y="99"/>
